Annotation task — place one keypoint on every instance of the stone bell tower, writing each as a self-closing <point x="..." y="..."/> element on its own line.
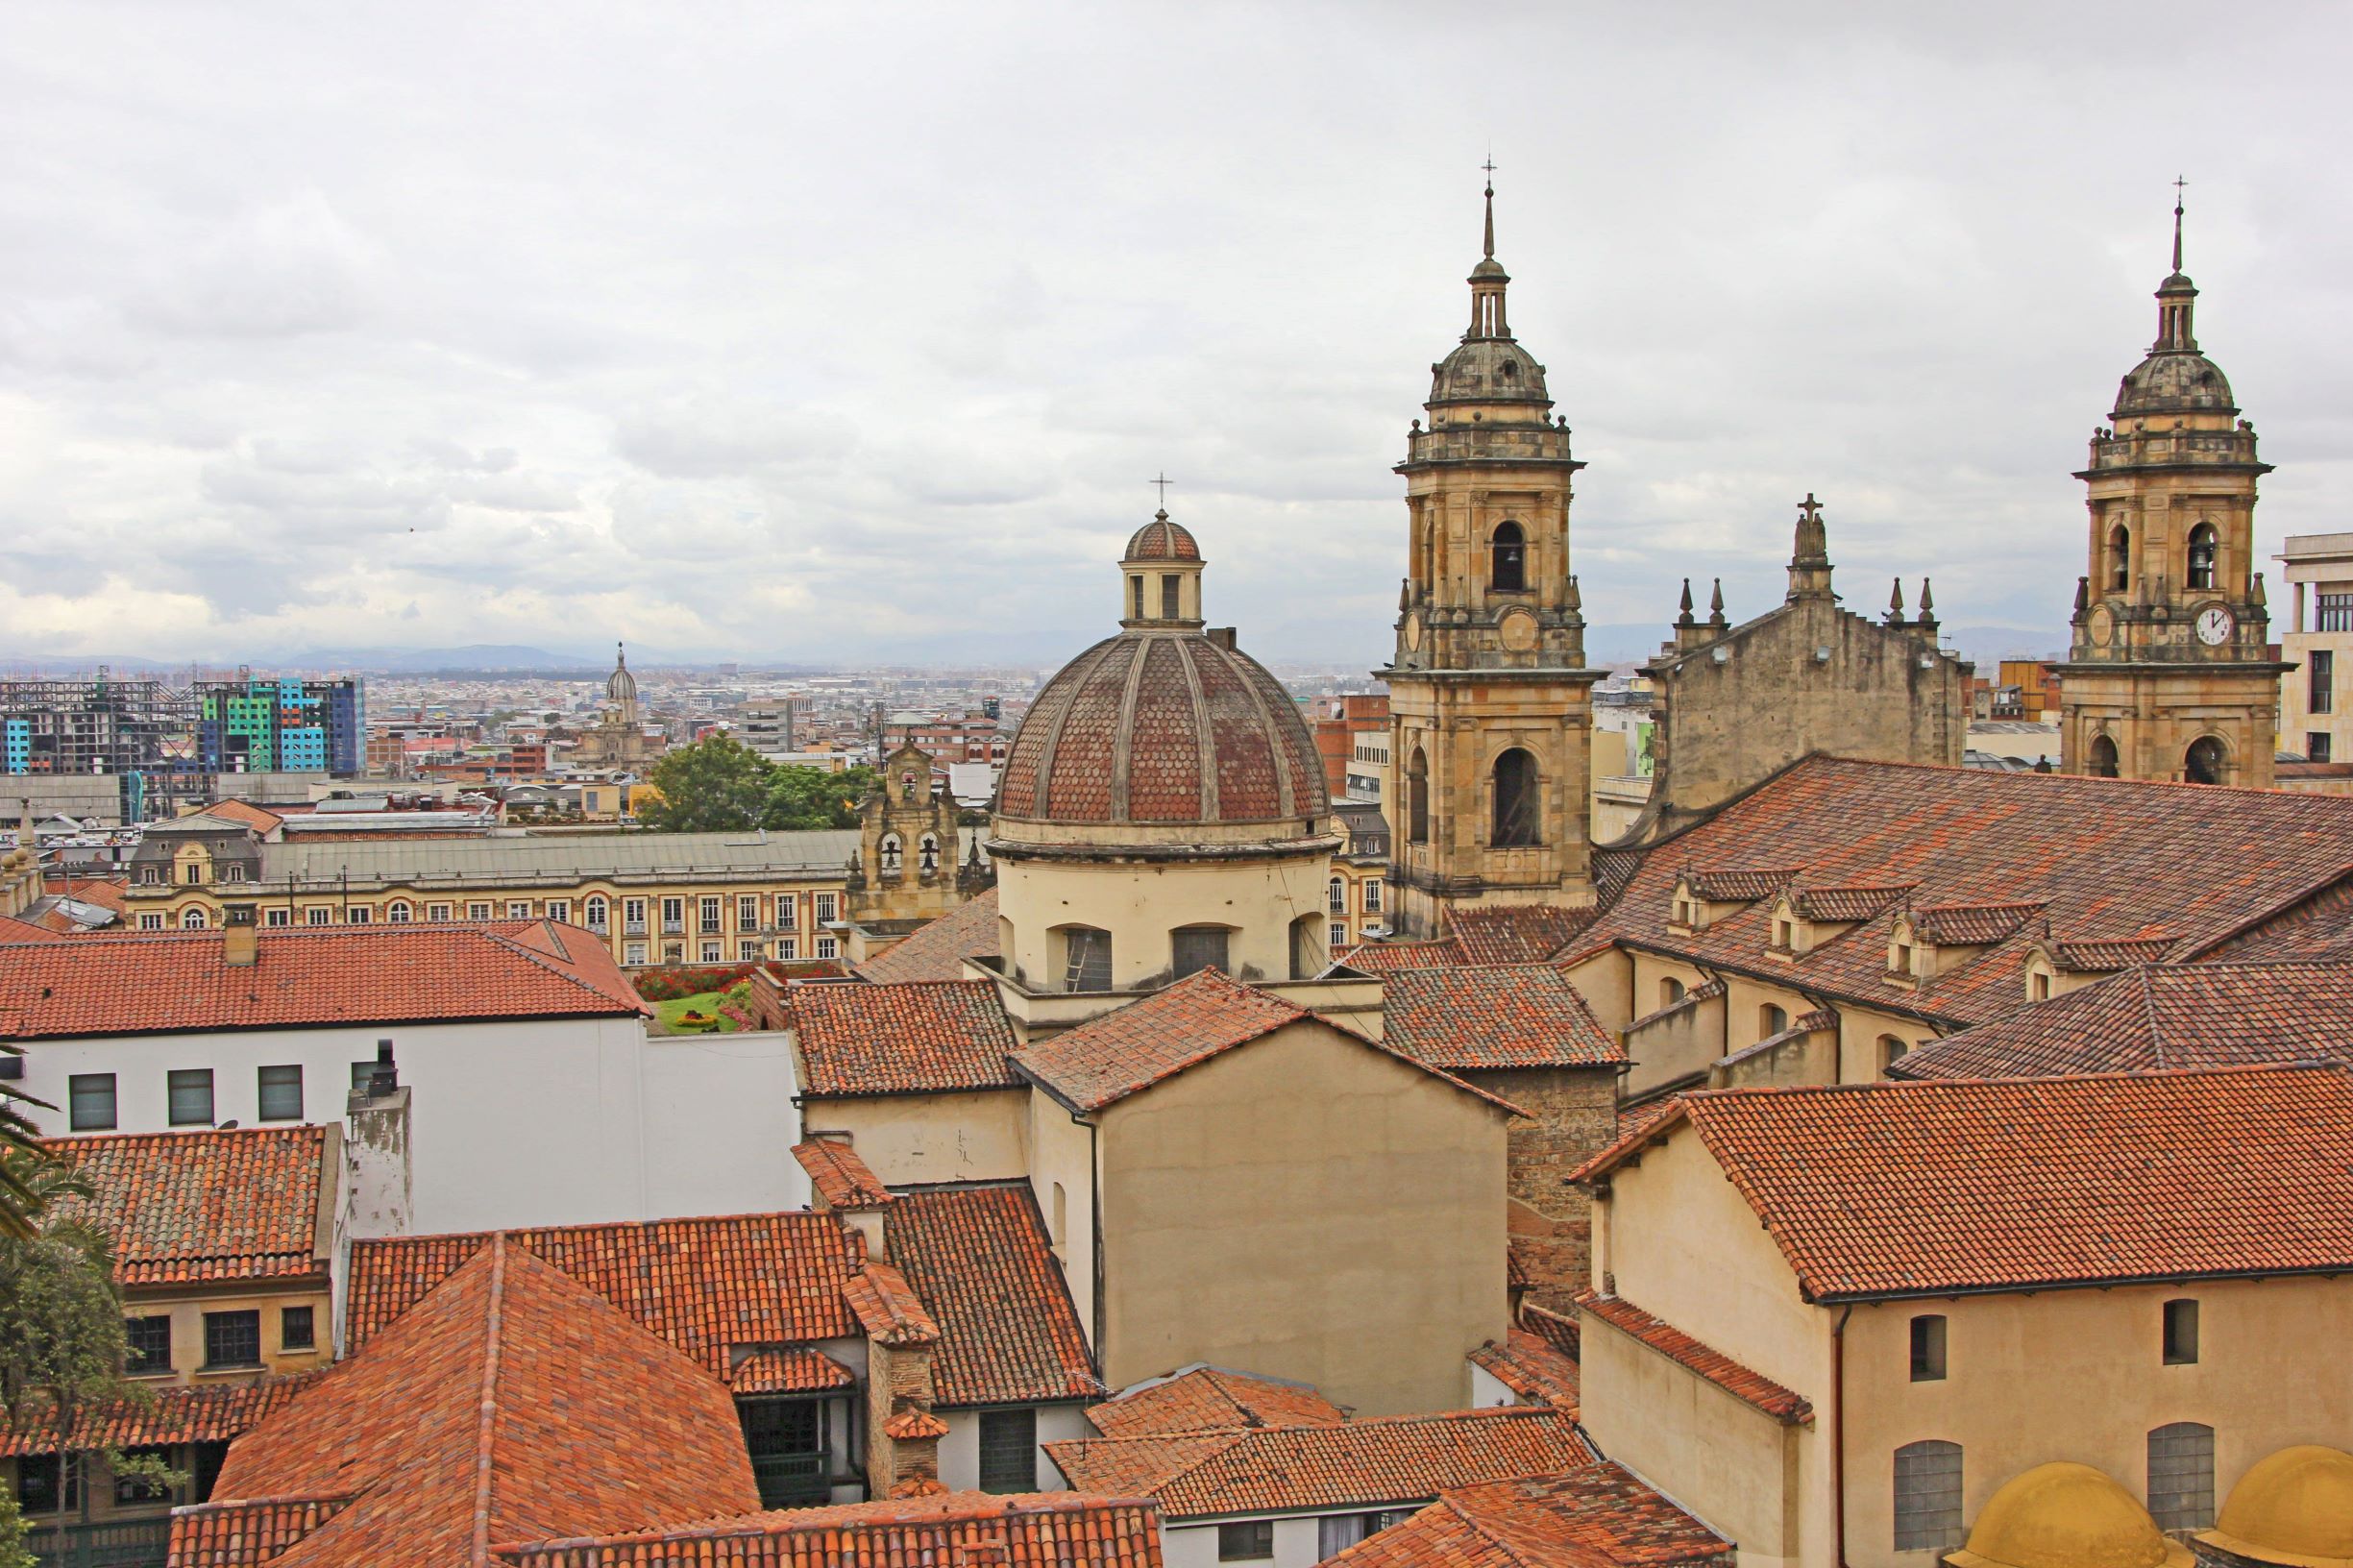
<point x="2168" y="674"/>
<point x="906" y="866"/>
<point x="1490" y="703"/>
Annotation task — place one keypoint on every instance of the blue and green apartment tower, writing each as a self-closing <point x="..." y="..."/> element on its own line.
<point x="259" y="725"/>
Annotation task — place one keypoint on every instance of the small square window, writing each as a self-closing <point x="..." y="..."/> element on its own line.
<point x="2181" y="1332"/>
<point x="281" y="1093"/>
<point x="1009" y="1451"/>
<point x="233" y="1339"/>
<point x="297" y="1328"/>
<point x="91" y="1098"/>
<point x="277" y="917"/>
<point x="129" y="1489"/>
<point x="1247" y="1541"/>
<point x="36" y="1483"/>
<point x="191" y="1096"/>
<point x="828" y="947"/>
<point x="150" y="1345"/>
<point x="1928" y="1348"/>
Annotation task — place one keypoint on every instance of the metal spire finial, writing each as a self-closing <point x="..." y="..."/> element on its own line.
<point x="2178" y="184"/>
<point x="1490" y="166"/>
<point x="1164" y="482"/>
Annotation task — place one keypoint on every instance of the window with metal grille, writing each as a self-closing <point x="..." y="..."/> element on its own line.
<point x="281" y="1093"/>
<point x="233" y="1339"/>
<point x="825" y="903"/>
<point x="1195" y="948"/>
<point x="1927" y="1496"/>
<point x="1009" y="1451"/>
<point x="2334" y="612"/>
<point x="2181" y="1475"/>
<point x="708" y="917"/>
<point x="2181" y="1332"/>
<point x="1928" y="1348"/>
<point x="1247" y="1541"/>
<point x="191" y="1096"/>
<point x="148" y="1342"/>
<point x="748" y="911"/>
<point x="1085" y="959"/>
<point x="297" y="1328"/>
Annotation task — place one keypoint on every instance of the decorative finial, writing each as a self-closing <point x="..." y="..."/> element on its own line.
<point x="620" y="657"/>
<point x="1164" y="482"/>
<point x="1685" y="619"/>
<point x="1715" y="602"/>
<point x="1490" y="166"/>
<point x="1927" y="600"/>
<point x="1894" y="603"/>
<point x="2178" y="184"/>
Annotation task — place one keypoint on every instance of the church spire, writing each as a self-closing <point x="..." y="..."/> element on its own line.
<point x="2178" y="182"/>
<point x="1490" y="249"/>
<point x="2177" y="296"/>
<point x="1488" y="279"/>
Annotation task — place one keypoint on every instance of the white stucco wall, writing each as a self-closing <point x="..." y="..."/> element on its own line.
<point x="536" y="1121"/>
<point x="1297" y="1545"/>
<point x="960" y="1449"/>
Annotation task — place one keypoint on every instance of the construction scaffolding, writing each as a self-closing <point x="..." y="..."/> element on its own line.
<point x="141" y="732"/>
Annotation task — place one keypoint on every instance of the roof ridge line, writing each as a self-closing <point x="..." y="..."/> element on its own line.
<point x="533" y="955"/>
<point x="2148" y="1005"/>
<point x="1475" y="1527"/>
<point x="485" y="1428"/>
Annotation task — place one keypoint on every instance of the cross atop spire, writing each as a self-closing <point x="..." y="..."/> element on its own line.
<point x="1164" y="482"/>
<point x="2178" y="184"/>
<point x="1490" y="166"/>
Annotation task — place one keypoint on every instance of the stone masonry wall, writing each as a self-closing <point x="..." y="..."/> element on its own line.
<point x="1573" y="1115"/>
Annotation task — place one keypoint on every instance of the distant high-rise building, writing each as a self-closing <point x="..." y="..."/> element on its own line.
<point x="135" y="730"/>
<point x="265" y="725"/>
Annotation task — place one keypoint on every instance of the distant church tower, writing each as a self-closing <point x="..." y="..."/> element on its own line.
<point x="2168" y="677"/>
<point x="1490" y="703"/>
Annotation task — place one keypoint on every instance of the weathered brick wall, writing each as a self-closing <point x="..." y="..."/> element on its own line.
<point x="1572" y="1114"/>
<point x="896" y="1379"/>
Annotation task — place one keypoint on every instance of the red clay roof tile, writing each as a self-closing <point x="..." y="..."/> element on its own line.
<point x="921" y="1038"/>
<point x="980" y="1259"/>
<point x="888" y="1307"/>
<point x="937" y="949"/>
<point x="840" y="1177"/>
<point x="1522" y="934"/>
<point x="1531" y="1367"/>
<point x="206" y="1414"/>
<point x="1599" y="1516"/>
<point x="799" y="1370"/>
<point x="235" y="1204"/>
<point x="1502" y="1015"/>
<point x="1212" y="1398"/>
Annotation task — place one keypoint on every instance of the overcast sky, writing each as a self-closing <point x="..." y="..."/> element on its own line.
<point x="800" y="332"/>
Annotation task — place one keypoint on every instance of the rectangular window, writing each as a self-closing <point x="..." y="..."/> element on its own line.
<point x="478" y="910"/>
<point x="297" y="1328"/>
<point x="559" y="910"/>
<point x="748" y="911"/>
<point x="2321" y="677"/>
<point x="1009" y="1451"/>
<point x="151" y="876"/>
<point x="358" y="915"/>
<point x="2181" y="1332"/>
<point x="1372" y="897"/>
<point x="828" y="947"/>
<point x="708" y="917"/>
<point x="824" y="908"/>
<point x="150" y="1343"/>
<point x="1246" y="1542"/>
<point x="1337" y="936"/>
<point x="1197" y="948"/>
<point x="192" y="873"/>
<point x="788" y="949"/>
<point x="2181" y="1475"/>
<point x="2317" y="746"/>
<point x="233" y="1339"/>
<point x="2335" y="612"/>
<point x="712" y="952"/>
<point x="438" y="913"/>
<point x="36" y="1483"/>
<point x="787" y="911"/>
<point x="1928" y="1348"/>
<point x="633" y="952"/>
<point x="747" y="952"/>
<point x="129" y="1489"/>
<point x="318" y="914"/>
<point x="633" y="917"/>
<point x="233" y="872"/>
<point x="1338" y="897"/>
<point x="154" y="922"/>
<point x="191" y="1096"/>
<point x="518" y="909"/>
<point x="281" y="1093"/>
<point x="1168" y="596"/>
<point x="363" y="1073"/>
<point x="1928" y="1496"/>
<point x="673" y="917"/>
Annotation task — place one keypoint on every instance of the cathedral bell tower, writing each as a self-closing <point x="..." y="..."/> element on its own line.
<point x="2168" y="676"/>
<point x="1490" y="703"/>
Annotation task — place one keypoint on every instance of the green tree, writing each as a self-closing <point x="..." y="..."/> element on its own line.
<point x="803" y="798"/>
<point x="62" y="1340"/>
<point x="716" y="785"/>
<point x="20" y="1204"/>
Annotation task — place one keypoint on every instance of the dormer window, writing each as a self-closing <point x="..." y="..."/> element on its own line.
<point x="1900" y="958"/>
<point x="1687" y="911"/>
<point x="1784" y="932"/>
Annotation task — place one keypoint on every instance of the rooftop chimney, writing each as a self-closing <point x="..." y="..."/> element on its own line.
<point x="240" y="936"/>
<point x="386" y="1077"/>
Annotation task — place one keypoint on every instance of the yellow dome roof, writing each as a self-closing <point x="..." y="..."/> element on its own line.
<point x="2295" y="1506"/>
<point x="2067" y="1516"/>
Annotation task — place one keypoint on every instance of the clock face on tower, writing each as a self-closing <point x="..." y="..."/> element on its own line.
<point x="2213" y="626"/>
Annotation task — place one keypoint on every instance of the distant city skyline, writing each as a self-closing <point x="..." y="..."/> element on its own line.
<point x="663" y="332"/>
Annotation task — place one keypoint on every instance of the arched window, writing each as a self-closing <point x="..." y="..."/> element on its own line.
<point x="397" y="913"/>
<point x="2205" y="761"/>
<point x="1193" y="948"/>
<point x="2181" y="1475"/>
<point x="1515" y="800"/>
<point x="928" y="849"/>
<point x="1771" y="1021"/>
<point x="889" y="852"/>
<point x="191" y="920"/>
<point x="2103" y="757"/>
<point x="1891" y="1051"/>
<point x="2120" y="557"/>
<point x="1086" y="958"/>
<point x="2201" y="555"/>
<point x="597" y="913"/>
<point x="1335" y="895"/>
<point x="1417" y="798"/>
<point x="1928" y="1496"/>
<point x="1307" y="948"/>
<point x="1669" y="992"/>
<point x="1509" y="573"/>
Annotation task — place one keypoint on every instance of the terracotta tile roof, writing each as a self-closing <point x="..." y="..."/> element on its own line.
<point x="922" y="1037"/>
<point x="888" y="1309"/>
<point x="1381" y="1462"/>
<point x="913" y="1425"/>
<point x="840" y="1177"/>
<point x="1531" y="1367"/>
<point x="1600" y="1517"/>
<point x="1384" y="957"/>
<point x="2102" y="856"/>
<point x="1894" y="1189"/>
<point x="245" y="813"/>
<point x="2094" y="956"/>
<point x="363" y="974"/>
<point x="241" y="1204"/>
<point x="241" y="1534"/>
<point x="2158" y="1017"/>
<point x="702" y="1285"/>
<point x="980" y="1259"/>
<point x="1971" y="926"/>
<point x="937" y="950"/>
<point x="1503" y="1016"/>
<point x="1737" y="884"/>
<point x="2318" y="927"/>
<point x="1038" y="1529"/>
<point x="1525" y="934"/>
<point x="793" y="1371"/>
<point x="1749" y="1388"/>
<point x="1842" y="904"/>
<point x="204" y="1414"/>
<point x="15" y="930"/>
<point x="1209" y="1398"/>
<point x="471" y="1421"/>
<point x="1553" y="1327"/>
<point x="1204" y="1015"/>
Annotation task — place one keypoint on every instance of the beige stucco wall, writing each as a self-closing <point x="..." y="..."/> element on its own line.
<point x="1307" y="1208"/>
<point x="980" y="1136"/>
<point x="1605" y="980"/>
<point x="1141" y="904"/>
<point x="1745" y="1000"/>
<point x="1859" y="1033"/>
<point x="1062" y="1156"/>
<point x="187" y="1315"/>
<point x="1684" y="1039"/>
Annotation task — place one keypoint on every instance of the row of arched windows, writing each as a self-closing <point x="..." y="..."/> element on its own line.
<point x="2207" y="761"/>
<point x="1515" y="799"/>
<point x="2205" y="550"/>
